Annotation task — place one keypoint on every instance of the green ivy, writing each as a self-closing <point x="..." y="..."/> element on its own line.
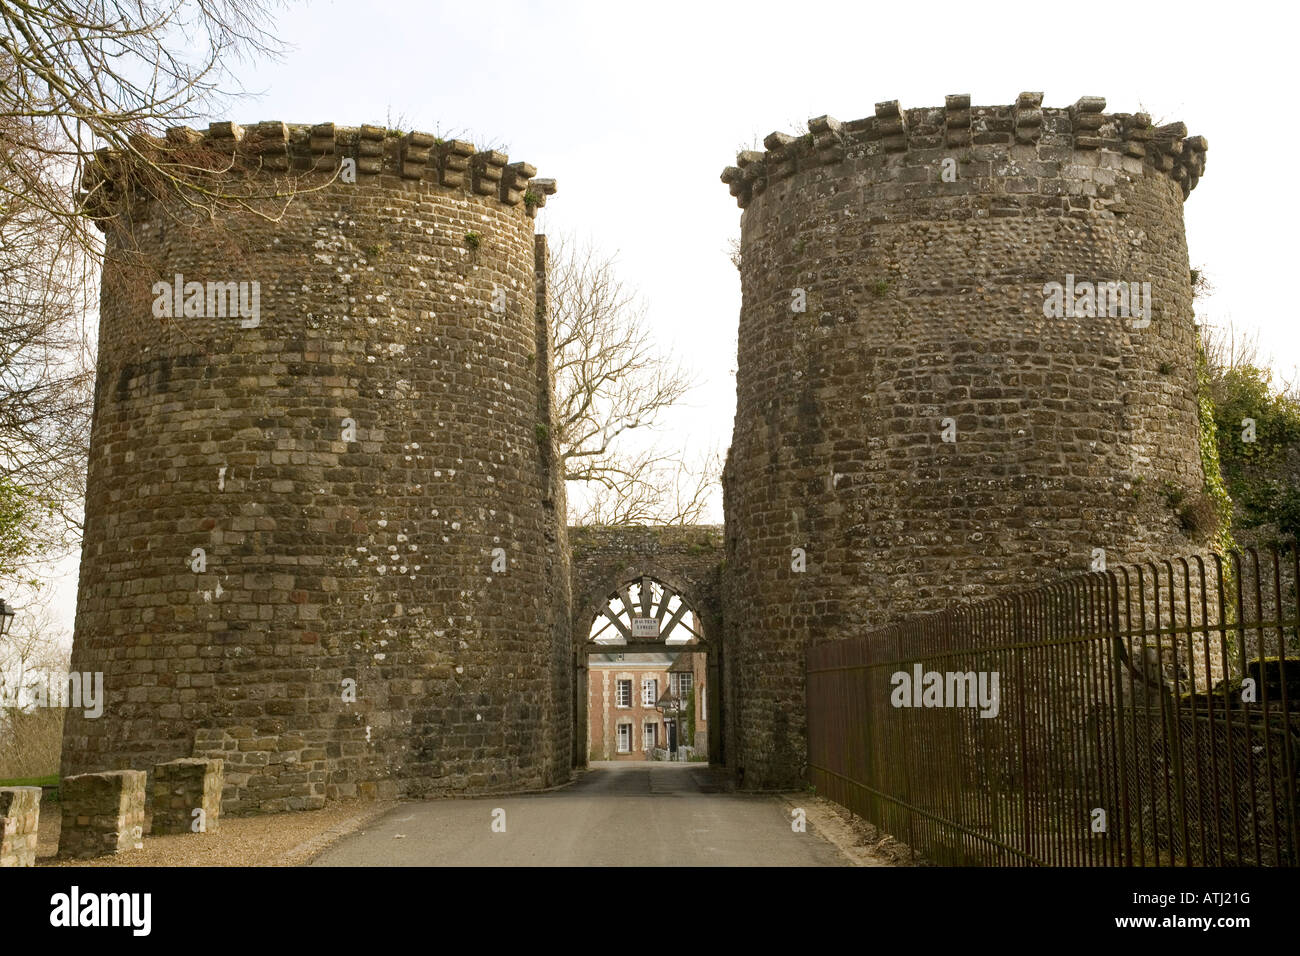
<point x="1256" y="473"/>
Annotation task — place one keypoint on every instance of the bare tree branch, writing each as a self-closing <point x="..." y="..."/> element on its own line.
<point x="611" y="379"/>
<point x="88" y="92"/>
<point x="30" y="737"/>
<point x="649" y="489"/>
<point x="1227" y="348"/>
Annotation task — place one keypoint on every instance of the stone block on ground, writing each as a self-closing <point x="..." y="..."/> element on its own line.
<point x="20" y="815"/>
<point x="103" y="813"/>
<point x="180" y="787"/>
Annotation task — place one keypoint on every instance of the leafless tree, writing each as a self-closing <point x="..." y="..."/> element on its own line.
<point x="88" y="89"/>
<point x="46" y="369"/>
<point x="1227" y="347"/>
<point x="30" y="737"/>
<point x="650" y="489"/>
<point x="611" y="379"/>
<point x="106" y="78"/>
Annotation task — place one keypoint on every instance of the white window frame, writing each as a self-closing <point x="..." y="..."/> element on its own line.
<point x="618" y="692"/>
<point x="649" y="735"/>
<point x="704" y="711"/>
<point x="621" y="733"/>
<point x="649" y="691"/>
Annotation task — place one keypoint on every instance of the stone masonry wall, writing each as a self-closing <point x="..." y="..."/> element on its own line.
<point x="269" y="773"/>
<point x="332" y="534"/>
<point x="20" y="816"/>
<point x="562" y="701"/>
<point x="180" y="787"/>
<point x="688" y="559"/>
<point x="102" y="813"/>
<point x="883" y="302"/>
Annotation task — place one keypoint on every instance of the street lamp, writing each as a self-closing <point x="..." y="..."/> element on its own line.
<point x="670" y="702"/>
<point x="664" y="706"/>
<point x="6" y="617"/>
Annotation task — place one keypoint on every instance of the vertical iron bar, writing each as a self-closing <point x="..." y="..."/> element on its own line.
<point x="1265" y="721"/>
<point x="1214" y="799"/>
<point x="1229" y="705"/>
<point x="1250" y="749"/>
<point x="1176" y="726"/>
<point x="1293" y="812"/>
<point x="1026" y="831"/>
<point x="1118" y="679"/>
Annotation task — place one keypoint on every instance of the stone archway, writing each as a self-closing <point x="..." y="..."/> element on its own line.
<point x="668" y="575"/>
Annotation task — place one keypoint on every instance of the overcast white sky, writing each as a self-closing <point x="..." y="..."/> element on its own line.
<point x="635" y="110"/>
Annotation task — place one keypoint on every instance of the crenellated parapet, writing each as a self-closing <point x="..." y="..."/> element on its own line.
<point x="957" y="125"/>
<point x="281" y="148"/>
<point x="920" y="417"/>
<point x="333" y="342"/>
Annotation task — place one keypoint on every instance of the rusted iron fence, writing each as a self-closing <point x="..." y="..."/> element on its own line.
<point x="1143" y="716"/>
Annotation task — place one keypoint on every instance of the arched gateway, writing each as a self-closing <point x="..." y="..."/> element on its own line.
<point x="350" y="479"/>
<point x="649" y="590"/>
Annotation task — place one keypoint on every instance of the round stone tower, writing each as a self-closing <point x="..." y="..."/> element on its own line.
<point x="324" y="537"/>
<point x="967" y="362"/>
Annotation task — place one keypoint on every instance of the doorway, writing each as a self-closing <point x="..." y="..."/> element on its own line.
<point x="644" y="661"/>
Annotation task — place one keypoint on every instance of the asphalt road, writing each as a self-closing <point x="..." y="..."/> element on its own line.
<point x="617" y="814"/>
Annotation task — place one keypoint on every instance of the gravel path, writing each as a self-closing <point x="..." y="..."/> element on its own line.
<point x="853" y="836"/>
<point x="280" y="839"/>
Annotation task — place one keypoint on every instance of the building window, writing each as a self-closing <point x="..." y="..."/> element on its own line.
<point x="704" y="711"/>
<point x="625" y="737"/>
<point x="624" y="696"/>
<point x="649" y="691"/>
<point x="650" y="737"/>
<point x="681" y="685"/>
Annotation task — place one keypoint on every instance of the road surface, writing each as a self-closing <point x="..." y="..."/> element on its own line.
<point x="617" y="814"/>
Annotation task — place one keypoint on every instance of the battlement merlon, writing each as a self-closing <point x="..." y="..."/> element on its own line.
<point x="284" y="148"/>
<point x="959" y="126"/>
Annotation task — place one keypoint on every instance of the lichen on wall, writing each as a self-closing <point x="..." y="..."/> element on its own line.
<point x="932" y="405"/>
<point x="316" y="535"/>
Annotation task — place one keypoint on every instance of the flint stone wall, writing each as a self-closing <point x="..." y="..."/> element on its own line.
<point x="688" y="558"/>
<point x="881" y="303"/>
<point x="348" y="466"/>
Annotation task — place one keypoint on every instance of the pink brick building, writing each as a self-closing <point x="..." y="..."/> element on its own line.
<point x="636" y="704"/>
